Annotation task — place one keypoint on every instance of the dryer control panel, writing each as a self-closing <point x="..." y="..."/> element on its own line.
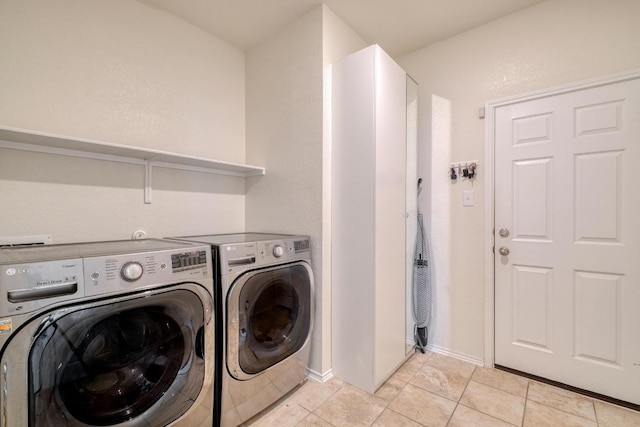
<point x="236" y="257"/>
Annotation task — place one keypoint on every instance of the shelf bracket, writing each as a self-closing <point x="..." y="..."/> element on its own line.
<point x="148" y="175"/>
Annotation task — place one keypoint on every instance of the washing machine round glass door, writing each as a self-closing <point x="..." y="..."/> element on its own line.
<point x="271" y="317"/>
<point x="138" y="360"/>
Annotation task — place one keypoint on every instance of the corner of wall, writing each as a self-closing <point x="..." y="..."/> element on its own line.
<point x="338" y="41"/>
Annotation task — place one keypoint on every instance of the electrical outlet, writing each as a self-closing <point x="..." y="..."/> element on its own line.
<point x="139" y="234"/>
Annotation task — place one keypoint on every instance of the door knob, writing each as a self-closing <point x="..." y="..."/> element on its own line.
<point x="504" y="251"/>
<point x="504" y="232"/>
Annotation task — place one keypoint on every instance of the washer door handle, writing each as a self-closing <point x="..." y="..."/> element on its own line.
<point x="58" y="290"/>
<point x="199" y="347"/>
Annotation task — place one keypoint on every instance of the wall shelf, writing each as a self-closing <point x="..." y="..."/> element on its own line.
<point x="40" y="142"/>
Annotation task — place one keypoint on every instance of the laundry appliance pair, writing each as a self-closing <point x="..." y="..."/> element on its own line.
<point x="206" y="330"/>
<point x="265" y="313"/>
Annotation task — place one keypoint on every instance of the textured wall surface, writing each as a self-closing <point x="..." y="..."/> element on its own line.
<point x="124" y="73"/>
<point x="284" y="133"/>
<point x="552" y="43"/>
<point x="288" y="131"/>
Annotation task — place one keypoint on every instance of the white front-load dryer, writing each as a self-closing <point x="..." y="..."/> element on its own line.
<point x="266" y="298"/>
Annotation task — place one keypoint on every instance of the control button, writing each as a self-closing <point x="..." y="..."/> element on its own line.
<point x="95" y="275"/>
<point x="278" y="251"/>
<point x="131" y="271"/>
<point x="163" y="266"/>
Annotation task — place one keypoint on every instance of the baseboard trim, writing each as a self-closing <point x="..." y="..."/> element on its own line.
<point x="456" y="355"/>
<point x="322" y="378"/>
<point x="318" y="377"/>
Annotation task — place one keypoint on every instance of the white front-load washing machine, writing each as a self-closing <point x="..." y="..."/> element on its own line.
<point x="116" y="333"/>
<point x="266" y="299"/>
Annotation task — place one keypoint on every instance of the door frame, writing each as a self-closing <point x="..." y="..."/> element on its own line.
<point x="489" y="259"/>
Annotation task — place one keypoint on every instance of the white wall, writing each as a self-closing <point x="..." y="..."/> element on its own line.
<point x="552" y="43"/>
<point x="288" y="131"/>
<point x="126" y="73"/>
<point x="339" y="40"/>
<point x="284" y="134"/>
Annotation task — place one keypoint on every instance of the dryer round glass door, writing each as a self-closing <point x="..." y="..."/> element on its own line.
<point x="103" y="365"/>
<point x="270" y="317"/>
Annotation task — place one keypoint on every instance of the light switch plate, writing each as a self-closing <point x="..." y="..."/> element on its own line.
<point x="467" y="198"/>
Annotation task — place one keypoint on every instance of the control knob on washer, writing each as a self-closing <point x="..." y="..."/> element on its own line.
<point x="278" y="251"/>
<point x="131" y="271"/>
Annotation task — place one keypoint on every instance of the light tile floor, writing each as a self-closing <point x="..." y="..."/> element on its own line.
<point x="435" y="390"/>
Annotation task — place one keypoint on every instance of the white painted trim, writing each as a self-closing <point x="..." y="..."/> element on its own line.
<point x="456" y="355"/>
<point x="490" y="108"/>
<point x="566" y="88"/>
<point x="444" y="351"/>
<point x="323" y="378"/>
<point x="21" y="146"/>
<point x="215" y="171"/>
<point x="318" y="377"/>
<point x="489" y="278"/>
<point x="36" y="141"/>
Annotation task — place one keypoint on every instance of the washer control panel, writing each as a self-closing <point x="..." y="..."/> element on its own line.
<point x="106" y="274"/>
<point x="278" y="251"/>
<point x="32" y="278"/>
<point x="189" y="260"/>
<point x="131" y="271"/>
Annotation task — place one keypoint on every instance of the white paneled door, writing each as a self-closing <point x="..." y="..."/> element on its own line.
<point x="567" y="237"/>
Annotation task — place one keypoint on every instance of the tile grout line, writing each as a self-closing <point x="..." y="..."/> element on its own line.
<point x="529" y="381"/>
<point x="326" y="421"/>
<point x="567" y="412"/>
<point x="403" y="387"/>
<point x="344" y="384"/>
<point x="526" y="402"/>
<point x="385" y="408"/>
<point x="398" y="395"/>
<point x="325" y="400"/>
<point x="499" y="389"/>
<point x="595" y="413"/>
<point x="462" y="394"/>
<point x="495" y="388"/>
<point x="409" y="418"/>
